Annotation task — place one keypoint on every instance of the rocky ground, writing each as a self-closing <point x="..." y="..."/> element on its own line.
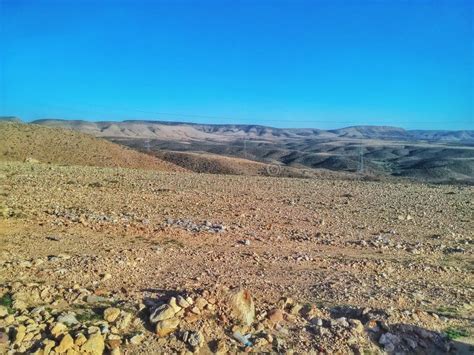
<point x="109" y="260"/>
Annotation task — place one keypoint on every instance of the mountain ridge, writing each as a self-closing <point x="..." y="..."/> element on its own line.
<point x="164" y="129"/>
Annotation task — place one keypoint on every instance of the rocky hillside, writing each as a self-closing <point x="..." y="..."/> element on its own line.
<point x="34" y="143"/>
<point x="127" y="261"/>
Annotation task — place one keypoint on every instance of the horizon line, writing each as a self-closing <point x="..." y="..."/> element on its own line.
<point x="4" y="117"/>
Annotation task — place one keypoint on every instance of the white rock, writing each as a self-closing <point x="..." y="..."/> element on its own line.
<point x="161" y="313"/>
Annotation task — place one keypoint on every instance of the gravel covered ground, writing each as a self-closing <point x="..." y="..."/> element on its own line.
<point x="329" y="265"/>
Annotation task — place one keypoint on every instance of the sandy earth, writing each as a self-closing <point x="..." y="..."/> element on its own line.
<point x="394" y="257"/>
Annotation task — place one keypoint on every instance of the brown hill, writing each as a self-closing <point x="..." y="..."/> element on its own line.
<point x="208" y="163"/>
<point x="19" y="142"/>
<point x="213" y="164"/>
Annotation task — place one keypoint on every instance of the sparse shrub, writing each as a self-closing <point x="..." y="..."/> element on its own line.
<point x="454" y="333"/>
<point x="88" y="315"/>
<point x="7" y="301"/>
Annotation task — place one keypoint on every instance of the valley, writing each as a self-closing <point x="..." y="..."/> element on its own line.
<point x="376" y="152"/>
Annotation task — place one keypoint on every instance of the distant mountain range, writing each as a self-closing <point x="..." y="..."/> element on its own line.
<point x="189" y="131"/>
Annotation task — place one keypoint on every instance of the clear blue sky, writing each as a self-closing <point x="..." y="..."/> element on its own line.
<point x="312" y="63"/>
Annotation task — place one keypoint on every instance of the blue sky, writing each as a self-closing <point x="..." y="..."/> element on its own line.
<point x="323" y="64"/>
